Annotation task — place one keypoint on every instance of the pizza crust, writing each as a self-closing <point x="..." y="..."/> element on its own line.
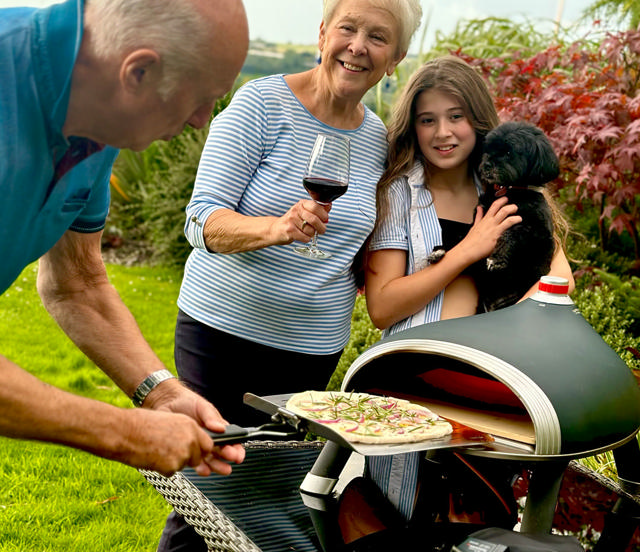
<point x="370" y="419"/>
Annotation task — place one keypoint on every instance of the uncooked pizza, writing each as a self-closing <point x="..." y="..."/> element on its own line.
<point x="371" y="419"/>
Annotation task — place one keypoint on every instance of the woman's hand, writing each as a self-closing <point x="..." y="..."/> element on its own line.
<point x="301" y="222"/>
<point x="227" y="231"/>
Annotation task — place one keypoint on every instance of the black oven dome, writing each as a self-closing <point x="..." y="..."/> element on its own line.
<point x="578" y="392"/>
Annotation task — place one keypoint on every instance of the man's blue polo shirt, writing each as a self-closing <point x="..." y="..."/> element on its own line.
<point x="38" y="49"/>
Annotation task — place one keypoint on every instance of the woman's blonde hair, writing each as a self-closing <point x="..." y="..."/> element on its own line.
<point x="173" y="28"/>
<point x="407" y="12"/>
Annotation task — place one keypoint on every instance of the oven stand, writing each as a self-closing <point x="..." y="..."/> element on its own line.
<point x="542" y="496"/>
<point x="544" y="488"/>
<point x="624" y="518"/>
<point x="317" y="492"/>
<point x="317" y="488"/>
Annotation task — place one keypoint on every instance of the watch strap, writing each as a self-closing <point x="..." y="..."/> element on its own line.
<point x="149" y="383"/>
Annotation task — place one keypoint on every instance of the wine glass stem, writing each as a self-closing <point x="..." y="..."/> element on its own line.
<point x="315" y="236"/>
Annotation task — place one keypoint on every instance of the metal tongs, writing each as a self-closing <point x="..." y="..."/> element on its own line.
<point x="279" y="429"/>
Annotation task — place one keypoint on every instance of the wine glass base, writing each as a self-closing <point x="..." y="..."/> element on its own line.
<point x="312" y="252"/>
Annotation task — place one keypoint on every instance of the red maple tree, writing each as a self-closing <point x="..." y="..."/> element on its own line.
<point x="586" y="100"/>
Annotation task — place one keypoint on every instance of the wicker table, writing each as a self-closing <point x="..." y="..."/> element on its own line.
<point x="222" y="534"/>
<point x="261" y="512"/>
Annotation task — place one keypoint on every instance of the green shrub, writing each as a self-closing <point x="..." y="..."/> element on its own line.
<point x="589" y="245"/>
<point x="585" y="256"/>
<point x="163" y="205"/>
<point x="600" y="306"/>
<point x="626" y="297"/>
<point x="363" y="335"/>
<point x="496" y="37"/>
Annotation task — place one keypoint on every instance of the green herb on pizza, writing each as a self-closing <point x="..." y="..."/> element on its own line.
<point x="371" y="419"/>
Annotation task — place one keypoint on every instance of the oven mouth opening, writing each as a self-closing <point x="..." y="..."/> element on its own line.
<point x="452" y="389"/>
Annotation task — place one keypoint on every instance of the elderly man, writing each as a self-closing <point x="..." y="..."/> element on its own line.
<point x="80" y="79"/>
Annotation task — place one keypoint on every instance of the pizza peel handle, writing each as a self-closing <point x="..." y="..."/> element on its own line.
<point x="231" y="434"/>
<point x="275" y="405"/>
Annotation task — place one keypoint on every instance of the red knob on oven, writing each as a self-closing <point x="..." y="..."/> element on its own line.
<point x="553" y="289"/>
<point x="554" y="284"/>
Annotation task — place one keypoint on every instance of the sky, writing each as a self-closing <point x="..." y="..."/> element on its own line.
<point x="297" y="21"/>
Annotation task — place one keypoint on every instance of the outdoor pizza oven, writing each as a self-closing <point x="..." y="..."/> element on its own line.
<point x="536" y="376"/>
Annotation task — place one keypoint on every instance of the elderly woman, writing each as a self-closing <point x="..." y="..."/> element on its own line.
<point x="254" y="316"/>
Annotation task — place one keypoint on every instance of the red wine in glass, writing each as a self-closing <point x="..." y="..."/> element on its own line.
<point x="324" y="190"/>
<point x="326" y="178"/>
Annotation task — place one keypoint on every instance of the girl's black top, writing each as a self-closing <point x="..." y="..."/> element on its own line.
<point x="453" y="232"/>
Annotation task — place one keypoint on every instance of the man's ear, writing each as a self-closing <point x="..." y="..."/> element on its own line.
<point x="392" y="67"/>
<point x="140" y="69"/>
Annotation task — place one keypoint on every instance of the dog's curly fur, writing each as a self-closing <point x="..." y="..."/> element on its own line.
<point x="516" y="156"/>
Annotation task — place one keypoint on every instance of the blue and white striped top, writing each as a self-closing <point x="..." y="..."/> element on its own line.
<point x="253" y="163"/>
<point x="411" y="225"/>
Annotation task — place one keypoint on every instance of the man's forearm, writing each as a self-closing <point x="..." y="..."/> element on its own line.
<point x="139" y="437"/>
<point x="99" y="323"/>
<point x="75" y="289"/>
<point x="32" y="409"/>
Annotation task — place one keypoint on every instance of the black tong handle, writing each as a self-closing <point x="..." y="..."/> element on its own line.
<point x="231" y="434"/>
<point x="237" y="434"/>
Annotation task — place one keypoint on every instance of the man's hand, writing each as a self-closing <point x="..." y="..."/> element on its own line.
<point x="166" y="443"/>
<point x="158" y="440"/>
<point x="173" y="396"/>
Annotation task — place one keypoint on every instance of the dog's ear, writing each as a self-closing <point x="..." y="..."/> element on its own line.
<point x="545" y="165"/>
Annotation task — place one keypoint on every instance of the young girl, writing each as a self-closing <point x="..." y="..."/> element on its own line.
<point x="426" y="199"/>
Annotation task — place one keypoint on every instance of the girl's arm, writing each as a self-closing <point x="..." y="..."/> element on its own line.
<point x="559" y="267"/>
<point x="392" y="295"/>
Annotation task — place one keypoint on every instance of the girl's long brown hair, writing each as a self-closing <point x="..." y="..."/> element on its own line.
<point x="455" y="77"/>
<point x="452" y="76"/>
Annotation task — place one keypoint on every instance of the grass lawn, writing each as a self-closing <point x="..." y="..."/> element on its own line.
<point x="54" y="498"/>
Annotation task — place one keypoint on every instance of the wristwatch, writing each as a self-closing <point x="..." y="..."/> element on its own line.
<point x="150" y="383"/>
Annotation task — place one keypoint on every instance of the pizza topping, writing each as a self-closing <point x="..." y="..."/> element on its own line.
<point x="370" y="418"/>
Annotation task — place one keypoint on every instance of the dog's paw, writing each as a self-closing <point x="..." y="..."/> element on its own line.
<point x="436" y="255"/>
<point x="494" y="263"/>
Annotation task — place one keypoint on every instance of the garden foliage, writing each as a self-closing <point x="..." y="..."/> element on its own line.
<point x="363" y="335"/>
<point x="586" y="100"/>
<point x="585" y="96"/>
<point x="604" y="309"/>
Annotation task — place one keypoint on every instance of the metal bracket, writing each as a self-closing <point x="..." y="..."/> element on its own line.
<point x="318" y="485"/>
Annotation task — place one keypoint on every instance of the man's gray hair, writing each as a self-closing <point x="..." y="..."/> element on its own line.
<point x="173" y="28"/>
<point x="408" y="13"/>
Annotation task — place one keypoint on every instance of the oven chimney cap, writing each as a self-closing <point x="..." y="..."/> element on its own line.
<point x="553" y="289"/>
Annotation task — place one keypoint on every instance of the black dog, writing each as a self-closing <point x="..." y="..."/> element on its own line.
<point x="517" y="161"/>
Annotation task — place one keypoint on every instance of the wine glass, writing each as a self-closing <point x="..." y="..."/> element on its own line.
<point x="326" y="178"/>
